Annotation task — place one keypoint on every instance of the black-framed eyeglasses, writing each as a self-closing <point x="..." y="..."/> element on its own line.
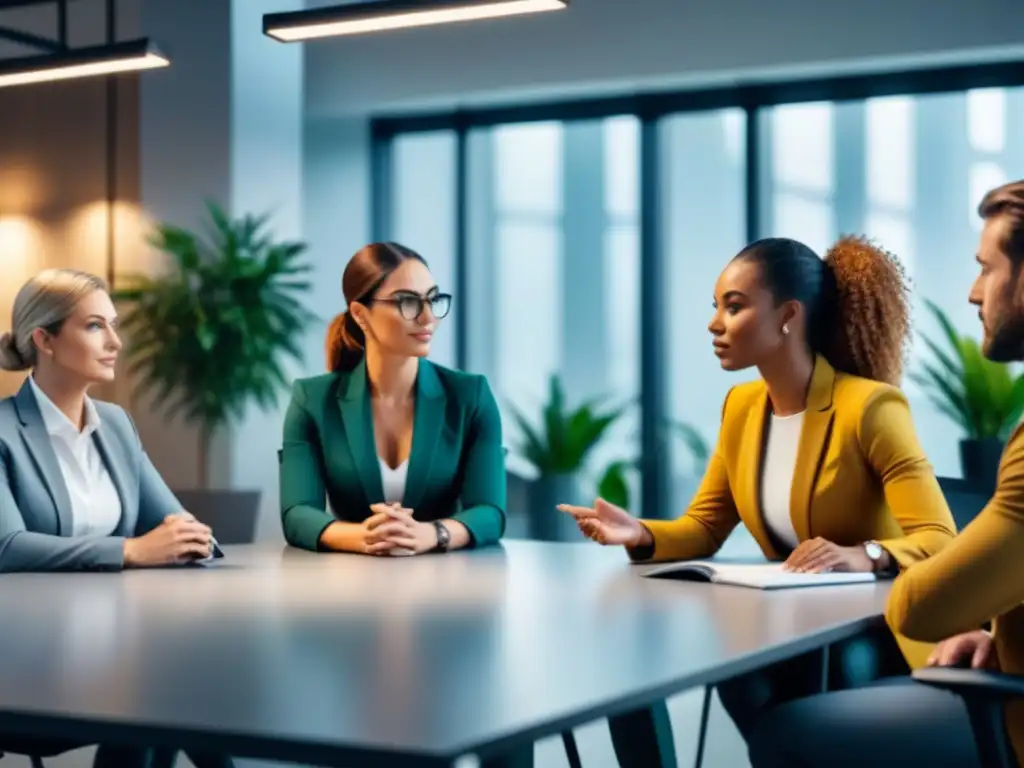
<point x="411" y="306"/>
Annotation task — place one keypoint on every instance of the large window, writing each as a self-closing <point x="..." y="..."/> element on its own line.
<point x="801" y="173"/>
<point x="553" y="268"/>
<point x="908" y="172"/>
<point x="423" y="217"/>
<point x="705" y="225"/>
<point x="553" y="257"/>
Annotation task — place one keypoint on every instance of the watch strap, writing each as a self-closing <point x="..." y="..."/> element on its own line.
<point x="444" y="536"/>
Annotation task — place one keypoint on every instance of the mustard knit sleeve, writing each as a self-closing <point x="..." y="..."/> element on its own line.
<point x="977" y="577"/>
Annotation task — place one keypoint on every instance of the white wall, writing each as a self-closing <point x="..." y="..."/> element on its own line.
<point x="184" y="135"/>
<point x="336" y="215"/>
<point x="225" y="124"/>
<point x="601" y="45"/>
<point x="266" y="177"/>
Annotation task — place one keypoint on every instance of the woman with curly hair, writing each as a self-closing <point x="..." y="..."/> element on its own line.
<point x="819" y="458"/>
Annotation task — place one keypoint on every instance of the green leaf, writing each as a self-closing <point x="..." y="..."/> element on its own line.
<point x="980" y="395"/>
<point x="613" y="486"/>
<point x="566" y="438"/>
<point x="209" y="337"/>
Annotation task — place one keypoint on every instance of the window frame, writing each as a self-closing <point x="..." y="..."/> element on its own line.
<point x="752" y="97"/>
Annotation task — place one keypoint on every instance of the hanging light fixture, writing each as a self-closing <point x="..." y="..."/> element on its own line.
<point x="375" y="16"/>
<point x="59" y="62"/>
<point x="85" y="62"/>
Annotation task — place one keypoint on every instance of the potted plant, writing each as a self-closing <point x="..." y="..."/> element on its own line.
<point x="614" y="483"/>
<point x="986" y="399"/>
<point x="558" y="451"/>
<point x="209" y="337"/>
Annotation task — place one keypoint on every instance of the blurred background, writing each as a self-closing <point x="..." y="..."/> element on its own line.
<point x="576" y="179"/>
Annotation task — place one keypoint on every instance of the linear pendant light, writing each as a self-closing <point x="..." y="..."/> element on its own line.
<point x="362" y="17"/>
<point x="128" y="56"/>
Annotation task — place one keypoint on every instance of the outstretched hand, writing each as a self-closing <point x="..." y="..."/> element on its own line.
<point x="608" y="524"/>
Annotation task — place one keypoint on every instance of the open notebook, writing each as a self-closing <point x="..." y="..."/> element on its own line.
<point x="755" y="575"/>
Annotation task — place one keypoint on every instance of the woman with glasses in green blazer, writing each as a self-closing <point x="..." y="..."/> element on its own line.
<point x="408" y="453"/>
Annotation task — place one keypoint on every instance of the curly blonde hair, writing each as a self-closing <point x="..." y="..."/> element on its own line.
<point x="872" y="313"/>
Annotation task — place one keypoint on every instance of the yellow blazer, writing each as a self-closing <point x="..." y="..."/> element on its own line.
<point x="977" y="578"/>
<point x="861" y="475"/>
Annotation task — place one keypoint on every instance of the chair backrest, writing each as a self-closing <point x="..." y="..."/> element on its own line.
<point x="965" y="500"/>
<point x="233" y="515"/>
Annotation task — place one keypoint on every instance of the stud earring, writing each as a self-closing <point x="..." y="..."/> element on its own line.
<point x="785" y="330"/>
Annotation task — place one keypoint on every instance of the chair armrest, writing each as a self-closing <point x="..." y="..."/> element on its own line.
<point x="976" y="683"/>
<point x="984" y="694"/>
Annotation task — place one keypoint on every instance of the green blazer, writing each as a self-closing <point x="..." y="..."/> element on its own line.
<point x="456" y="467"/>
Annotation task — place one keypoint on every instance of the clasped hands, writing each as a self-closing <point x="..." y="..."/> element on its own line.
<point x="391" y="530"/>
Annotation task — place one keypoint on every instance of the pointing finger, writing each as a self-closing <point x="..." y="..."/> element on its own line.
<point x="577" y="512"/>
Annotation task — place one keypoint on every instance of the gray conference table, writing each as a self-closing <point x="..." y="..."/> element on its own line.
<point x="349" y="660"/>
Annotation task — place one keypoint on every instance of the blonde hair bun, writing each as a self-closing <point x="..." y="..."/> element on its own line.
<point x="10" y="358"/>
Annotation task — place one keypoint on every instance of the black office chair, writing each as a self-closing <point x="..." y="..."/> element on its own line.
<point x="985" y="694"/>
<point x="965" y="500"/>
<point x="35" y="760"/>
<point x="231" y="514"/>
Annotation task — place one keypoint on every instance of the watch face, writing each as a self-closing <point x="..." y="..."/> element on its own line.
<point x="874" y="550"/>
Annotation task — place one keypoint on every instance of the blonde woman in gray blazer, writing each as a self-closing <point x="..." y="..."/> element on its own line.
<point x="77" y="491"/>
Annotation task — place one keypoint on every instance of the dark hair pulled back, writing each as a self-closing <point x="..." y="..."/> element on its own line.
<point x="363" y="275"/>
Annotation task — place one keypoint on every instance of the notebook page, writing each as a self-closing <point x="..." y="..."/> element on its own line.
<point x="771" y="576"/>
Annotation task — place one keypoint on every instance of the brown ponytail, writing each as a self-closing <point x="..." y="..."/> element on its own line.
<point x="364" y="274"/>
<point x="872" y="328"/>
<point x="857" y="301"/>
<point x="346" y="343"/>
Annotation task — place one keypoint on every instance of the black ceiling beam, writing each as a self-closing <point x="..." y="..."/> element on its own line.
<point x="27" y="38"/>
<point x="847" y="87"/>
<point x="6" y="4"/>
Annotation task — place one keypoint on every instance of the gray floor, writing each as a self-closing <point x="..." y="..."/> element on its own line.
<point x="724" y="747"/>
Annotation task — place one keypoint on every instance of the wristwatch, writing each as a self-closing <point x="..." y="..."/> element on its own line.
<point x="874" y="551"/>
<point x="444" y="537"/>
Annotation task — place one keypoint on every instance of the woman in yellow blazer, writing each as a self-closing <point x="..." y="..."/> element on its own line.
<point x="946" y="599"/>
<point x="819" y="458"/>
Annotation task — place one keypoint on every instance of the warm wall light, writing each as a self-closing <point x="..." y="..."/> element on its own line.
<point x="21" y="249"/>
<point x="361" y="17"/>
<point x="129" y="56"/>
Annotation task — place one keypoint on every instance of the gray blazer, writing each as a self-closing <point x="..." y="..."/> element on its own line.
<point x="35" y="508"/>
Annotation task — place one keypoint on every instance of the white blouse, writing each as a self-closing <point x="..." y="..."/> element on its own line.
<point x="779" y="463"/>
<point x="95" y="503"/>
<point x="393" y="481"/>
